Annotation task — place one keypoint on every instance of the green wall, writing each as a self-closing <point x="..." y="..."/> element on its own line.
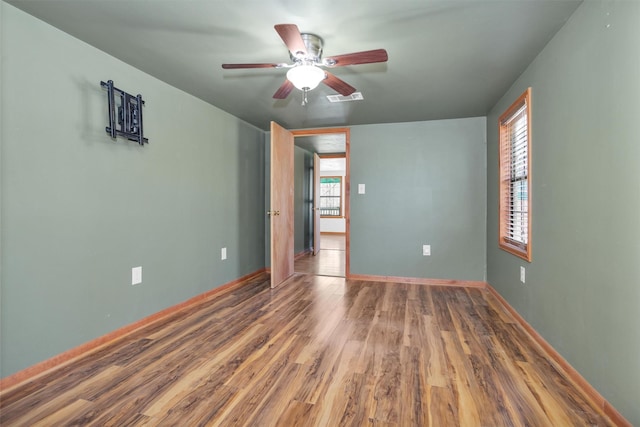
<point x="80" y="210"/>
<point x="582" y="291"/>
<point x="303" y="229"/>
<point x="425" y="184"/>
<point x="267" y="198"/>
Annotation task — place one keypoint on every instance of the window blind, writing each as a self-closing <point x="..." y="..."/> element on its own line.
<point x="514" y="177"/>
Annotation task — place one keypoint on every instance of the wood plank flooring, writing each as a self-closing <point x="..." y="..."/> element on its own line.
<point x="330" y="260"/>
<point x="318" y="351"/>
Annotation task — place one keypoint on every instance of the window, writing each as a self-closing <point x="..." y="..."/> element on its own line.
<point x="515" y="177"/>
<point x="331" y="196"/>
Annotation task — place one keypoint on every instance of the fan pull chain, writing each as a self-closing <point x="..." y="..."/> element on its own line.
<point x="304" y="96"/>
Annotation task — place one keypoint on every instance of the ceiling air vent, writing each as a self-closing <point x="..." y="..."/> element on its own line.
<point x="355" y="96"/>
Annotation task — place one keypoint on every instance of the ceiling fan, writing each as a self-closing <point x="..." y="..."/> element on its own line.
<point x="305" y="51"/>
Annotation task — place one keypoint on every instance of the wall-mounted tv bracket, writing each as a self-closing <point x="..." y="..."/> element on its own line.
<point x="128" y="122"/>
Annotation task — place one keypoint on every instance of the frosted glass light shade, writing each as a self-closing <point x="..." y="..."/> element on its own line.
<point x="305" y="76"/>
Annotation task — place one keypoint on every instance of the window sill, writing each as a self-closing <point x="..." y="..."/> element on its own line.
<point x="525" y="254"/>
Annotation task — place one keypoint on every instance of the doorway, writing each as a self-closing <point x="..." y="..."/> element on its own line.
<point x="329" y="254"/>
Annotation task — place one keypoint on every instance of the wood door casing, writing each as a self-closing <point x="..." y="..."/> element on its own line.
<point x="282" y="204"/>
<point x="316" y="203"/>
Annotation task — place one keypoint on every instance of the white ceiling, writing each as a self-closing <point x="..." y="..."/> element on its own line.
<point x="447" y="59"/>
<point x="323" y="143"/>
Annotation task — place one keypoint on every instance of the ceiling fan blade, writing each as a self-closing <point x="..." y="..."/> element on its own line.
<point x="366" y="57"/>
<point x="291" y="37"/>
<point x="236" y="66"/>
<point x="339" y="85"/>
<point x="284" y="90"/>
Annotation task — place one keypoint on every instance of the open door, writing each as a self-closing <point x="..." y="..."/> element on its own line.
<point x="316" y="203"/>
<point x="281" y="211"/>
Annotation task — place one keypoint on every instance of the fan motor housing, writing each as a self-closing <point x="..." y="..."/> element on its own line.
<point x="314" y="44"/>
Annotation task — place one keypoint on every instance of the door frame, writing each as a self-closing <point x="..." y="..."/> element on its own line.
<point x="347" y="182"/>
<point x="316" y="203"/>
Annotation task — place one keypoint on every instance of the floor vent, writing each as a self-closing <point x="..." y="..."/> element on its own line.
<point x="355" y="96"/>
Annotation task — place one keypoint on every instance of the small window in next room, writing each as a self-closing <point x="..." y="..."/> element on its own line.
<point x="515" y="177"/>
<point x="331" y="196"/>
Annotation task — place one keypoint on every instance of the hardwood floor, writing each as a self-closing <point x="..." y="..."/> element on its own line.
<point x="333" y="241"/>
<point x="330" y="261"/>
<point x="318" y="351"/>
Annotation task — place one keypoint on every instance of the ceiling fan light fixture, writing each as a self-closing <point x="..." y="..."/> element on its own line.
<point x="305" y="76"/>
<point x="305" y="51"/>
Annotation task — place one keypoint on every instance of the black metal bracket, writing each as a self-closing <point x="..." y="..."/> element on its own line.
<point x="128" y="122"/>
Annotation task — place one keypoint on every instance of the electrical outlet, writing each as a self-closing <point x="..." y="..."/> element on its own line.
<point x="223" y="254"/>
<point x="426" y="250"/>
<point x="522" y="274"/>
<point x="136" y="275"/>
